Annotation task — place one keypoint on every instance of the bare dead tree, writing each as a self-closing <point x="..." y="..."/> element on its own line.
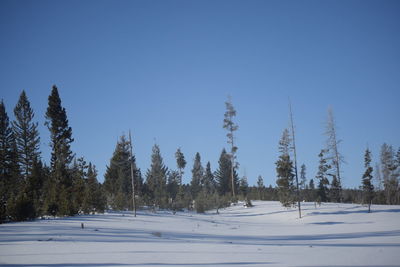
<point x="295" y="158"/>
<point x="333" y="149"/>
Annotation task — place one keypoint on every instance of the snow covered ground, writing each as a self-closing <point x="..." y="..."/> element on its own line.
<point x="265" y="235"/>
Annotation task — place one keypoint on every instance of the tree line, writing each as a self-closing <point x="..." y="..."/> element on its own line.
<point x="69" y="186"/>
<point x="30" y="188"/>
<point x="326" y="186"/>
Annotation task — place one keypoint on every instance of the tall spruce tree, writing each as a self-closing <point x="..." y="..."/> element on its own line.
<point x="61" y="155"/>
<point x="156" y="178"/>
<point x="6" y="142"/>
<point x="284" y="170"/>
<point x="223" y="174"/>
<point x="197" y="176"/>
<point x="367" y="186"/>
<point x="322" y="177"/>
<point x="94" y="199"/>
<point x="209" y="182"/>
<point x="117" y="179"/>
<point x="26" y="135"/>
<point x="181" y="163"/>
<point x="231" y="127"/>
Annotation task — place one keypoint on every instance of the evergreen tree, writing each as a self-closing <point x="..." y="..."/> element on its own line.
<point x="79" y="176"/>
<point x="231" y="127"/>
<point x="61" y="155"/>
<point x="260" y="186"/>
<point x="173" y="187"/>
<point x="322" y="177"/>
<point x="368" y="188"/>
<point x="243" y="186"/>
<point x="117" y="179"/>
<point x="26" y="135"/>
<point x="303" y="178"/>
<point x="34" y="187"/>
<point x="311" y="185"/>
<point x="94" y="200"/>
<point x="197" y="176"/>
<point x="284" y="170"/>
<point x="6" y="142"/>
<point x="223" y="174"/>
<point x="181" y="163"/>
<point x="156" y="178"/>
<point x="209" y="183"/>
<point x="334" y="192"/>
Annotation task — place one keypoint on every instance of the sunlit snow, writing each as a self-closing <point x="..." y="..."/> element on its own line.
<point x="265" y="235"/>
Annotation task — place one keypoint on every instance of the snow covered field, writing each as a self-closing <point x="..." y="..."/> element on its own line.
<point x="265" y="235"/>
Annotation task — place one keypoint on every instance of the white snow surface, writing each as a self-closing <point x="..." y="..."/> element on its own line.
<point x="265" y="235"/>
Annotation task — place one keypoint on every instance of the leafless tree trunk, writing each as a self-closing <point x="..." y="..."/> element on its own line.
<point x="295" y="158"/>
<point x="132" y="175"/>
<point x="333" y="144"/>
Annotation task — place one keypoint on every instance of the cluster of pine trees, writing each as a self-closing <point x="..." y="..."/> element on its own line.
<point x="30" y="188"/>
<point x="328" y="177"/>
<point x="162" y="187"/>
<point x="68" y="186"/>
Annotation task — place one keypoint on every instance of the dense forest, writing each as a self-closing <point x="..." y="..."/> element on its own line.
<point x="67" y="185"/>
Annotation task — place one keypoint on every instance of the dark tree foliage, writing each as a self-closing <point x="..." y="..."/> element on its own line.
<point x="61" y="156"/>
<point x="60" y="133"/>
<point x="223" y="174"/>
<point x="197" y="176"/>
<point x="209" y="182"/>
<point x="322" y="177"/>
<point x="156" y="178"/>
<point x="231" y="127"/>
<point x="26" y="135"/>
<point x="94" y="199"/>
<point x="285" y="172"/>
<point x="6" y="146"/>
<point x="303" y="178"/>
<point x="181" y="163"/>
<point x="261" y="187"/>
<point x="367" y="186"/>
<point x="117" y="179"/>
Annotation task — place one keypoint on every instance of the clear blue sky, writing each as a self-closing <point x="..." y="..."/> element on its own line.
<point x="164" y="69"/>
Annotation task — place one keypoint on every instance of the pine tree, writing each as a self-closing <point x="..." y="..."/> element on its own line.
<point x="209" y="182"/>
<point x="26" y="135"/>
<point x="6" y="141"/>
<point x="117" y="179"/>
<point x="156" y="178"/>
<point x="303" y="178"/>
<point x="231" y="127"/>
<point x="173" y="187"/>
<point x="311" y="185"/>
<point x="368" y="188"/>
<point x="79" y="176"/>
<point x="94" y="200"/>
<point x="284" y="170"/>
<point x="244" y="186"/>
<point x="181" y="163"/>
<point x="61" y="155"/>
<point x="334" y="192"/>
<point x="335" y="157"/>
<point x="223" y="174"/>
<point x="197" y="176"/>
<point x="323" y="181"/>
<point x="260" y="187"/>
